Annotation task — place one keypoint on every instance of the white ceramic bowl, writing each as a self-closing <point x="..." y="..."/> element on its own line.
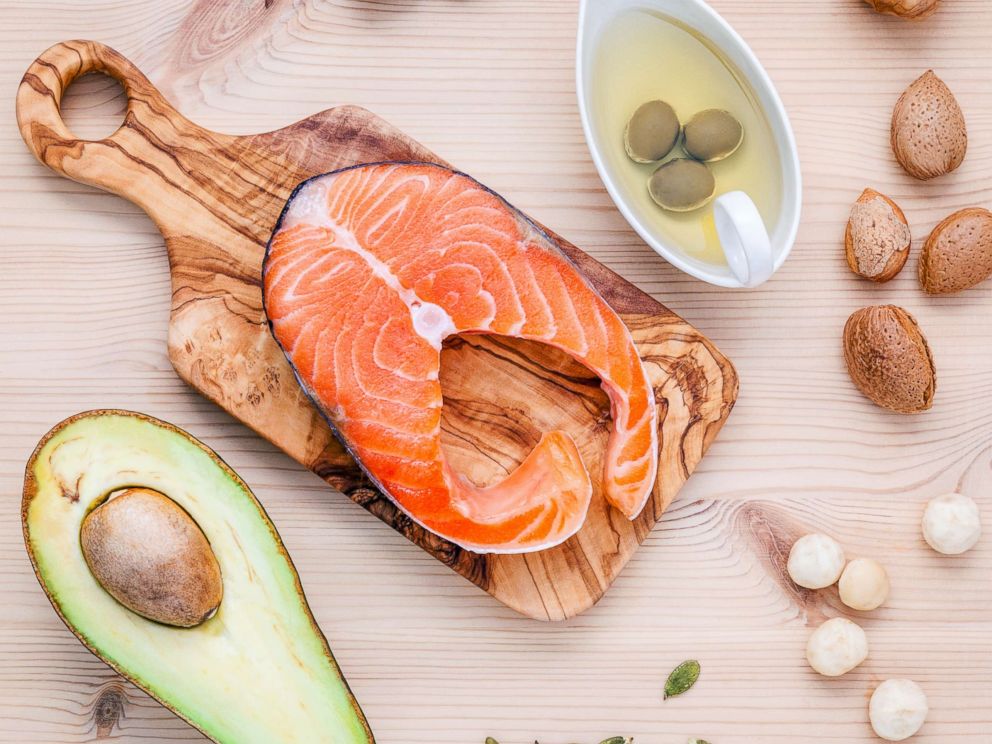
<point x="594" y="17"/>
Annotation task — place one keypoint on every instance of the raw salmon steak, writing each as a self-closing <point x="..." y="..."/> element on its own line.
<point x="370" y="268"/>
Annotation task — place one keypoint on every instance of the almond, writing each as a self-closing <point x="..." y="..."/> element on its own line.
<point x="877" y="238"/>
<point x="929" y="135"/>
<point x="889" y="360"/>
<point x="906" y="8"/>
<point x="958" y="253"/>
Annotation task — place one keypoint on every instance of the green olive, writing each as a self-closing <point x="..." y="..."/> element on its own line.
<point x="652" y="132"/>
<point x="713" y="135"/>
<point x="682" y="185"/>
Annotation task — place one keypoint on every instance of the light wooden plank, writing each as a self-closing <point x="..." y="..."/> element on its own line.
<point x="83" y="285"/>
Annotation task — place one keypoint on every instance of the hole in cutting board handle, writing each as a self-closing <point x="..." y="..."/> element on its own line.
<point x="93" y="106"/>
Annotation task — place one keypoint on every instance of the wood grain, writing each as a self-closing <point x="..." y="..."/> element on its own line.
<point x="432" y="659"/>
<point x="216" y="198"/>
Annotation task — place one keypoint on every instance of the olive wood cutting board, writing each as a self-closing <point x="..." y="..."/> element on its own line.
<point x="216" y="197"/>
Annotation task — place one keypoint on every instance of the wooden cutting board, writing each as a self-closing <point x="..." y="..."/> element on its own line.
<point x="215" y="198"/>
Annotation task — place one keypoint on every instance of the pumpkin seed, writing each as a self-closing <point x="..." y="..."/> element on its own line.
<point x="682" y="678"/>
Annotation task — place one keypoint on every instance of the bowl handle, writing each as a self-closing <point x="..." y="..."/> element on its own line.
<point x="744" y="238"/>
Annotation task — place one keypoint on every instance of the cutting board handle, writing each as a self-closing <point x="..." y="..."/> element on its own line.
<point x="116" y="163"/>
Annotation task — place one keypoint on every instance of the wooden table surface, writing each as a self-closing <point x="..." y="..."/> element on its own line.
<point x="489" y="85"/>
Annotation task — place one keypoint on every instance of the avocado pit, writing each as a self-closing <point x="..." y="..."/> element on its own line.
<point x="150" y="556"/>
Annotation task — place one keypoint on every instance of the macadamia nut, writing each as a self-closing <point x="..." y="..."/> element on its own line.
<point x="952" y="524"/>
<point x="864" y="585"/>
<point x="816" y="561"/>
<point x="836" y="647"/>
<point x="897" y="709"/>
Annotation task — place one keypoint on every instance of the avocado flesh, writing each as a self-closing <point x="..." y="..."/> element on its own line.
<point x="259" y="670"/>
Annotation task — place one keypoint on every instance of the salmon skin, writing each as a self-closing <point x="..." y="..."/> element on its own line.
<point x="370" y="268"/>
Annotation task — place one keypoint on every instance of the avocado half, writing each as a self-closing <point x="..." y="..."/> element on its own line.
<point x="259" y="670"/>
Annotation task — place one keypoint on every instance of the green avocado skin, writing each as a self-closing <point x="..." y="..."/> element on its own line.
<point x="260" y="670"/>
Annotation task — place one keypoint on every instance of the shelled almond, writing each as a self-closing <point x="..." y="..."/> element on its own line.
<point x="877" y="239"/>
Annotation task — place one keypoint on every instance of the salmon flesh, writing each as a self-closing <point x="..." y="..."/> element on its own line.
<point x="370" y="268"/>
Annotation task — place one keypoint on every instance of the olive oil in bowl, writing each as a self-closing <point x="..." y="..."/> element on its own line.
<point x="642" y="56"/>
